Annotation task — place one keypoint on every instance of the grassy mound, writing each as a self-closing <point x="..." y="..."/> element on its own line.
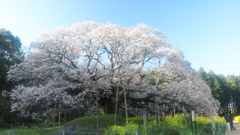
<point x="104" y="121"/>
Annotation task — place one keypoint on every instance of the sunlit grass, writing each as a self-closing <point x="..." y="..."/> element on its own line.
<point x="106" y="124"/>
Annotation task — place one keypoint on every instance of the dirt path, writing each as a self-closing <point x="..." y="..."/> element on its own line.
<point x="234" y="132"/>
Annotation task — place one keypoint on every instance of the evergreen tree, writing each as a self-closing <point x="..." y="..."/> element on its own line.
<point x="219" y="87"/>
<point x="232" y="83"/>
<point x="202" y="73"/>
<point x="10" y="54"/>
<point x="225" y="92"/>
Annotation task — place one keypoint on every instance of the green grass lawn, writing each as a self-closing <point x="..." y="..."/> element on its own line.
<point x="88" y="124"/>
<point x="104" y="121"/>
<point x="28" y="131"/>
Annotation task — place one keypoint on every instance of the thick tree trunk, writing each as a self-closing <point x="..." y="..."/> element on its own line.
<point x="88" y="114"/>
<point x="97" y="110"/>
<point x="185" y="115"/>
<point x="158" y="112"/>
<point x="174" y="112"/>
<point x="116" y="106"/>
<point x="65" y="115"/>
<point x="79" y="111"/>
<point x="159" y="116"/>
<point x="59" y="117"/>
<point x="89" y="104"/>
<point x="155" y="111"/>
<point x="125" y="102"/>
<point x="54" y="112"/>
<point x="47" y="117"/>
<point x="147" y="110"/>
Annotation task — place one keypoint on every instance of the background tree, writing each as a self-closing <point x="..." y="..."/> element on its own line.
<point x="10" y="54"/>
<point x="232" y="84"/>
<point x="225" y="89"/>
<point x="226" y="95"/>
<point x="237" y="97"/>
<point x="217" y="88"/>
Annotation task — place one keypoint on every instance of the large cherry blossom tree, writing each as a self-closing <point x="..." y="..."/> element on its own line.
<point x="105" y="63"/>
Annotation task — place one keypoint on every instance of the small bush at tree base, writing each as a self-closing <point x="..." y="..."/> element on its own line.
<point x="171" y="131"/>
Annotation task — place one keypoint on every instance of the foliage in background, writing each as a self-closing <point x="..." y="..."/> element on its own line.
<point x="225" y="89"/>
<point x="10" y="54"/>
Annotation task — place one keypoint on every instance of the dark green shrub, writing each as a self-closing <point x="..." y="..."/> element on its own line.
<point x="203" y="133"/>
<point x="209" y="125"/>
<point x="152" y="128"/>
<point x="207" y="129"/>
<point x="164" y="122"/>
<point x="171" y="131"/>
<point x="183" y="119"/>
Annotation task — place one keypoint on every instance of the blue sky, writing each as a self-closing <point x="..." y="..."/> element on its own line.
<point x="207" y="31"/>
